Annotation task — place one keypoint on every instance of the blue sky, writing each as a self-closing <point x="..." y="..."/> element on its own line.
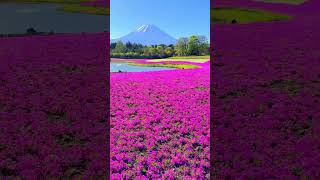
<point x="179" y="18"/>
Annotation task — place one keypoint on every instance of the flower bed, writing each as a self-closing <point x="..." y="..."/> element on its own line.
<point x="53" y="102"/>
<point x="160" y="124"/>
<point x="266" y="95"/>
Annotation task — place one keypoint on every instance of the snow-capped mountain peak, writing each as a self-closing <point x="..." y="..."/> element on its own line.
<point x="147" y="35"/>
<point x="145" y="28"/>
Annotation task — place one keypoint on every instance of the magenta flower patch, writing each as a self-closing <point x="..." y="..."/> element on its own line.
<point x="53" y="103"/>
<point x="266" y="94"/>
<point x="160" y="124"/>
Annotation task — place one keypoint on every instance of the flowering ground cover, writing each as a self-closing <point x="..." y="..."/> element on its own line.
<point x="53" y="106"/>
<point x="160" y="124"/>
<point x="265" y="83"/>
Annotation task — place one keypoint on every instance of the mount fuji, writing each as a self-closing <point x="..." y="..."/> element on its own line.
<point x="147" y="35"/>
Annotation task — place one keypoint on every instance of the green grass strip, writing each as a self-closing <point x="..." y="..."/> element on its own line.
<point x="292" y="2"/>
<point x="45" y="1"/>
<point x="72" y="6"/>
<point x="75" y="8"/>
<point x="244" y="16"/>
<point x="180" y="60"/>
<point x="177" y="66"/>
<point x="189" y="57"/>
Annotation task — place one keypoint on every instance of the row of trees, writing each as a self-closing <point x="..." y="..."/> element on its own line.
<point x="193" y="46"/>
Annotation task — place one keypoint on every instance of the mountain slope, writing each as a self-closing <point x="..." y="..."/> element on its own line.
<point x="147" y="35"/>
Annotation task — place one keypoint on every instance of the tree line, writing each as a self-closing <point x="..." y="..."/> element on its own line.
<point x="192" y="46"/>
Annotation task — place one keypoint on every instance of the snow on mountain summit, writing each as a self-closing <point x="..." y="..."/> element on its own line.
<point x="148" y="27"/>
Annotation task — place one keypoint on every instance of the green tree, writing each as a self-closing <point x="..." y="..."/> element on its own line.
<point x="204" y="45"/>
<point x="146" y="51"/>
<point x="113" y="45"/>
<point x="193" y="48"/>
<point x="153" y="51"/>
<point x="120" y="48"/>
<point x="169" y="51"/>
<point x="181" y="46"/>
<point x="129" y="47"/>
<point x="160" y="51"/>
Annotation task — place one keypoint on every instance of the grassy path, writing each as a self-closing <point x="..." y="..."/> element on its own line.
<point x="244" y="16"/>
<point x="180" y="60"/>
<point x="76" y="8"/>
<point x="292" y="2"/>
<point x="177" y="66"/>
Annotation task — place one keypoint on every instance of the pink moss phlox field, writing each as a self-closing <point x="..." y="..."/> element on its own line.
<point x="266" y="84"/>
<point x="53" y="101"/>
<point x="160" y="124"/>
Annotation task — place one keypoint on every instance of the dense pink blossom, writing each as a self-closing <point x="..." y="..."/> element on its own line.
<point x="53" y="104"/>
<point x="160" y="124"/>
<point x="265" y="83"/>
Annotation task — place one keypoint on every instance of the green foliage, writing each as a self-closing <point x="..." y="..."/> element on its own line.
<point x="69" y="6"/>
<point x="85" y="9"/>
<point x="195" y="46"/>
<point x="119" y="48"/>
<point x="181" y="46"/>
<point x="169" y="51"/>
<point x="204" y="47"/>
<point x="243" y="16"/>
<point x="47" y="1"/>
<point x="293" y="2"/>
